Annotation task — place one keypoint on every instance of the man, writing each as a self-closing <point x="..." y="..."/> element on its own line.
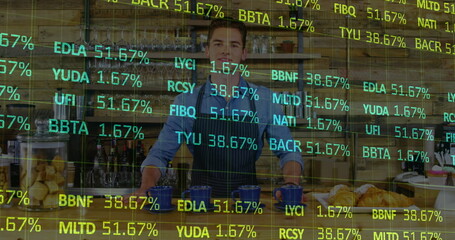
<point x="219" y="159"/>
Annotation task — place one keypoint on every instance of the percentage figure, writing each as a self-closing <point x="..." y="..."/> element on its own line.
<point x="146" y="105"/>
<point x="410" y="112"/>
<point x="346" y="151"/>
<point x="438" y="216"/>
<point x="344" y="105"/>
<point x="13" y="94"/>
<point x="254" y="118"/>
<point x="401" y="18"/>
<point x="423" y="155"/>
<point x="153" y="203"/>
<point x="23" y="199"/>
<point x="253" y="94"/>
<point x="343" y="82"/>
<point x="34" y="226"/>
<point x="309" y="25"/>
<point x="20" y="65"/>
<point x="257" y="209"/>
<point x="118" y="133"/>
<point x="27" y="43"/>
<point x="143" y="56"/>
<point x="401" y="42"/>
<point x="135" y="79"/>
<point x="4" y="41"/>
<point x="426" y="94"/>
<point x="12" y="91"/>
<point x="337" y="125"/>
<point x="251" y="232"/>
<point x="398" y="1"/>
<point x="252" y="143"/>
<point x="356" y="234"/>
<point x="13" y="118"/>
<point x="138" y="133"/>
<point x="422" y="114"/>
<point x="314" y="4"/>
<point x="218" y="12"/>
<point x="152" y="229"/>
<point x="25" y="69"/>
<point x="347" y="212"/>
<point x="429" y="133"/>
<point x="245" y="71"/>
<point x="430" y="235"/>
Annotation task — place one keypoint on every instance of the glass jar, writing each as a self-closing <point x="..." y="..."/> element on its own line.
<point x="5" y="182"/>
<point x="43" y="174"/>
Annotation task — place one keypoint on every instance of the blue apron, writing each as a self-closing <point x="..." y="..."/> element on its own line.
<point x="222" y="168"/>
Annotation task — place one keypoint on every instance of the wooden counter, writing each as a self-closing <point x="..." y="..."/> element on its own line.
<point x="267" y="225"/>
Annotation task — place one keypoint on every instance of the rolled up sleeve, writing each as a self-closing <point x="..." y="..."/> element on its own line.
<point x="283" y="133"/>
<point x="168" y="143"/>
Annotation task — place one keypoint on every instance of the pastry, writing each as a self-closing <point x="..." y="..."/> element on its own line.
<point x="363" y="189"/>
<point x="51" y="201"/>
<point x="38" y="191"/>
<point x="52" y="186"/>
<point x="367" y="196"/>
<point x="58" y="163"/>
<point x="337" y="188"/>
<point x="402" y="200"/>
<point x="375" y="197"/>
<point x="343" y="198"/>
<point x="371" y="198"/>
<point x="44" y="180"/>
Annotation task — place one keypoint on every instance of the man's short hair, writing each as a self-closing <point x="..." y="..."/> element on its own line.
<point x="227" y="23"/>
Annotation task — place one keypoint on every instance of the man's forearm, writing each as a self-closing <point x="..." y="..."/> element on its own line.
<point x="150" y="177"/>
<point x="292" y="172"/>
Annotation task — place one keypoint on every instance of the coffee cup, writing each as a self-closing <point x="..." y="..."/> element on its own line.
<point x="162" y="197"/>
<point x="290" y="194"/>
<point x="199" y="194"/>
<point x="247" y="193"/>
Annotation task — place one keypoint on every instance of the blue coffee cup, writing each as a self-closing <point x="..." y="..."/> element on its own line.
<point x="290" y="194"/>
<point x="247" y="193"/>
<point x="199" y="194"/>
<point x="163" y="196"/>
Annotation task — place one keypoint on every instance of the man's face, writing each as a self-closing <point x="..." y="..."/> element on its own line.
<point x="226" y="46"/>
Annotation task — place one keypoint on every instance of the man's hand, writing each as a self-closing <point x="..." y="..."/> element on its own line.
<point x="279" y="196"/>
<point x="291" y="174"/>
<point x="138" y="193"/>
<point x="150" y="177"/>
<point x="292" y="171"/>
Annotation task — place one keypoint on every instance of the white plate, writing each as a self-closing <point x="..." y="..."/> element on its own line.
<point x="433" y="187"/>
<point x="322" y="198"/>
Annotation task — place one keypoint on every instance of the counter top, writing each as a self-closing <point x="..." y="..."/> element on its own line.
<point x="105" y="222"/>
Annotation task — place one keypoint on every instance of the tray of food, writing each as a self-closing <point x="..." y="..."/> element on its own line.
<point x="364" y="199"/>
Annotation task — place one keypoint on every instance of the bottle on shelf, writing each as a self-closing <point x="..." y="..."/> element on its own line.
<point x="139" y="158"/>
<point x="95" y="176"/>
<point x="170" y="179"/>
<point x="111" y="179"/>
<point x="125" y="167"/>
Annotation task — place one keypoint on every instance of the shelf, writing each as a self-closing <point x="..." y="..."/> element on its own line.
<point x="117" y="119"/>
<point x="48" y="52"/>
<point x="206" y="23"/>
<point x="284" y="56"/>
<point x="106" y="87"/>
<point x="266" y="56"/>
<point x="148" y="119"/>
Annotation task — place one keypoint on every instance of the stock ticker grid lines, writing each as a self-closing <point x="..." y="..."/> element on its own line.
<point x="139" y="119"/>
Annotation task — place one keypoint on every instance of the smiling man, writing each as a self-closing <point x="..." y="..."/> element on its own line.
<point x="222" y="154"/>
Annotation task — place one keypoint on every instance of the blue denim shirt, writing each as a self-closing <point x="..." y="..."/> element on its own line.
<point x="168" y="144"/>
